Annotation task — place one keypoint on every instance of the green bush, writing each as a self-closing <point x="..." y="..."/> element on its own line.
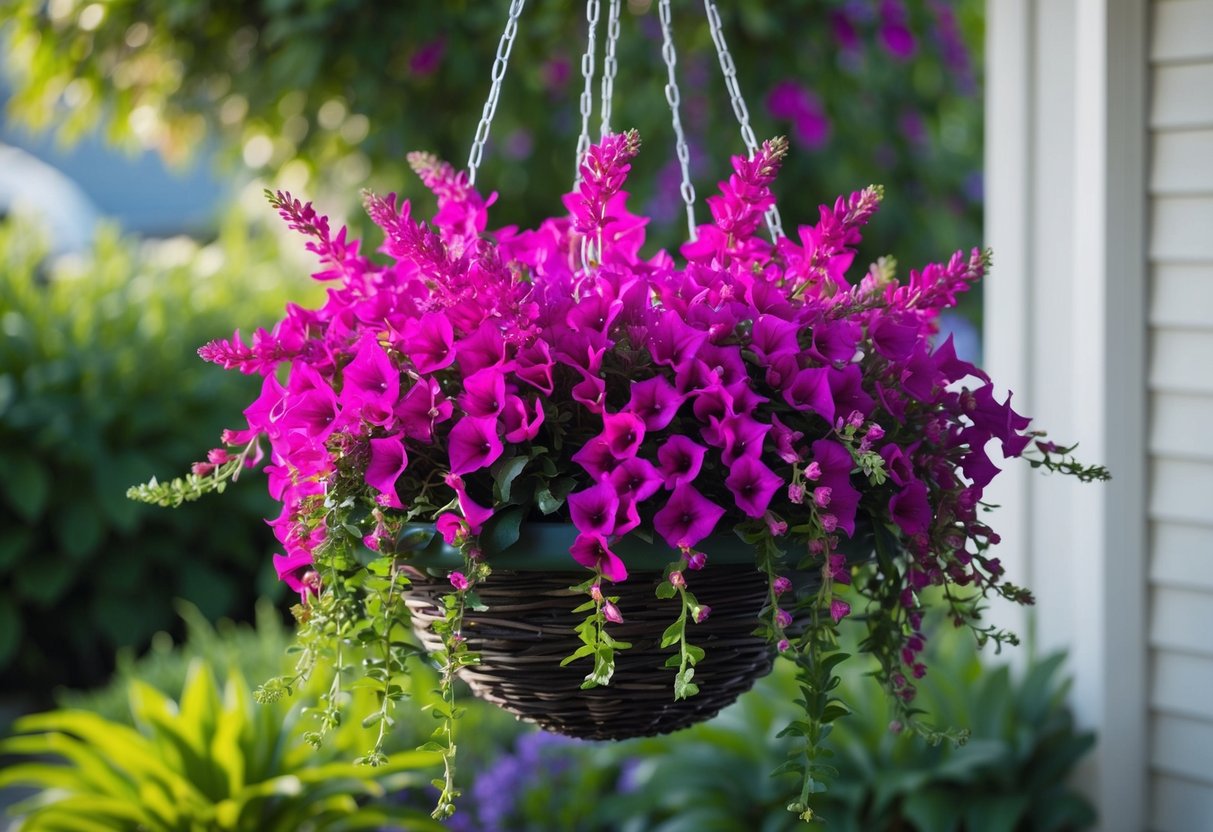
<point x="100" y="388"/>
<point x="212" y="760"/>
<point x="1009" y="777"/>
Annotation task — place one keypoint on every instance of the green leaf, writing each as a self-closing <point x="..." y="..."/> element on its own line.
<point x="684" y="688"/>
<point x="25" y="484"/>
<point x="580" y="652"/>
<point x="673" y="633"/>
<point x="504" y="472"/>
<point x="15" y="545"/>
<point x="665" y="589"/>
<point x="502" y="530"/>
<point x="79" y="529"/>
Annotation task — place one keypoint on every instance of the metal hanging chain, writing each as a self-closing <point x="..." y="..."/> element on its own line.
<point x="673" y="98"/>
<point x="774" y="224"/>
<point x="587" y="94"/>
<point x="490" y="105"/>
<point x="609" y="67"/>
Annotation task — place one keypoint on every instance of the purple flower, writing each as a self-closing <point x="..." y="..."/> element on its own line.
<point x="783" y="619"/>
<point x="636" y="479"/>
<point x="597" y="458"/>
<point x="594" y="509"/>
<point x="835" y="463"/>
<point x="387" y="463"/>
<point x="700" y="613"/>
<point x="687" y="518"/>
<point x="781" y="585"/>
<point x="458" y="580"/>
<point x="656" y="401"/>
<point x="483" y="393"/>
<point x="839" y="610"/>
<point x="591" y="551"/>
<point x="681" y="459"/>
<point x="753" y="485"/>
<point x="422" y="407"/>
<point x="810" y="390"/>
<point x="611" y="613"/>
<point x="370" y="383"/>
<point x="474" y="444"/>
<point x="428" y="342"/>
<point x="910" y="509"/>
<point x="623" y="433"/>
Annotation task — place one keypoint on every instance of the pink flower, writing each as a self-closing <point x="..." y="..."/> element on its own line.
<point x="681" y="459"/>
<point x="387" y="463"/>
<point x="783" y="619"/>
<point x="623" y="432"/>
<point x="611" y="613"/>
<point x="781" y="585"/>
<point x="753" y="485"/>
<point x="687" y="518"/>
<point x="839" y="610"/>
<point x="591" y="551"/>
<point x="474" y="444"/>
<point x="458" y="580"/>
<point x="700" y="613"/>
<point x="594" y="509"/>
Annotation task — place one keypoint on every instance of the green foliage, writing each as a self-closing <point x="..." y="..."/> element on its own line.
<point x="334" y="93"/>
<point x="1011" y="775"/>
<point x="212" y="759"/>
<point x="100" y="387"/>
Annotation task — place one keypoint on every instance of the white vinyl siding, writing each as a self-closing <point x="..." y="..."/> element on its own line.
<point x="1180" y="380"/>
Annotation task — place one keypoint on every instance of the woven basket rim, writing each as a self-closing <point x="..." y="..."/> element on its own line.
<point x="544" y="547"/>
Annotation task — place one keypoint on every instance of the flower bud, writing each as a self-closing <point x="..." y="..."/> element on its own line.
<point x="612" y="613"/>
<point x="677" y="580"/>
<point x="458" y="580"/>
<point x="781" y="585"/>
<point x="696" y="561"/>
<point x="701" y="613"/>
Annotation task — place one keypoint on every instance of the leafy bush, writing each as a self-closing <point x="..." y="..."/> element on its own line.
<point x="880" y="91"/>
<point x="211" y="760"/>
<point x="101" y="387"/>
<point x="1009" y="777"/>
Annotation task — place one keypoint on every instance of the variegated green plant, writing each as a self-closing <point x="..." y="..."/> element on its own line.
<point x="212" y="761"/>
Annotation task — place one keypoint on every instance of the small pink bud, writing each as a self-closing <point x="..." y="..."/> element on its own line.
<point x="839" y="610"/>
<point x="796" y="493"/>
<point x="875" y="433"/>
<point x="217" y="456"/>
<point x="895" y="727"/>
<point x="829" y="522"/>
<point x="701" y="613"/>
<point x="596" y="594"/>
<point x="855" y="419"/>
<point x="201" y="469"/>
<point x="677" y="580"/>
<point x="696" y="561"/>
<point x="783" y="646"/>
<point x="781" y="585"/>
<point x="813" y="472"/>
<point x="783" y="619"/>
<point x="612" y="613"/>
<point x="458" y="580"/>
<point x="822" y="495"/>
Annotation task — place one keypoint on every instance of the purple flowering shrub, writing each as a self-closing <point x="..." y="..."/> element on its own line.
<point x="476" y="380"/>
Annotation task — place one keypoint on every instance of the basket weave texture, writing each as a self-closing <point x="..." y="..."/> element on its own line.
<point x="529" y="628"/>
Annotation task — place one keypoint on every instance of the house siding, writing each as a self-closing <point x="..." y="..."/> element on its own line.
<point x="1180" y="380"/>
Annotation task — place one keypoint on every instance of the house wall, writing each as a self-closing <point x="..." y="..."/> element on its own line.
<point x="1180" y="393"/>
<point x="1066" y="329"/>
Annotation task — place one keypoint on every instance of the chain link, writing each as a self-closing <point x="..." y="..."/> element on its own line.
<point x="609" y="67"/>
<point x="673" y="98"/>
<point x="587" y="94"/>
<point x="490" y="105"/>
<point x="774" y="223"/>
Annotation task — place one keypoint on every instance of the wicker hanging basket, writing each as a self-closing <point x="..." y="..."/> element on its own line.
<point x="529" y="627"/>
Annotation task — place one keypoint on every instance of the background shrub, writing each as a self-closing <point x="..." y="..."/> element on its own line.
<point x="101" y="388"/>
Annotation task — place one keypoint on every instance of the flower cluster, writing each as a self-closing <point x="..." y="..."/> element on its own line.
<point x="767" y="388"/>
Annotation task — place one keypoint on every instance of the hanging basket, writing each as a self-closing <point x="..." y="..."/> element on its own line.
<point x="529" y="628"/>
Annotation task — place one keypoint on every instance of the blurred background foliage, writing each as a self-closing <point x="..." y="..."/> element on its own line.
<point x="101" y="387"/>
<point x="1009" y="777"/>
<point x="325" y="97"/>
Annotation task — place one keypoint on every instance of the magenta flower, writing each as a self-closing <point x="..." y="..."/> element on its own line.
<point x="835" y="463"/>
<point x="623" y="432"/>
<point x="591" y="551"/>
<point x="387" y="463"/>
<point x="910" y="508"/>
<point x="594" y="509"/>
<point x="636" y="479"/>
<point x="810" y="390"/>
<point x="611" y="613"/>
<point x="422" y="407"/>
<point x="474" y="444"/>
<point x="656" y="401"/>
<point x="458" y="580"/>
<point x="753" y="485"/>
<point x="681" y="460"/>
<point x="781" y="585"/>
<point x="483" y="393"/>
<point x="428" y="342"/>
<point x="687" y="518"/>
<point x="597" y="458"/>
<point x="371" y="383"/>
<point x="839" y="610"/>
<point x="701" y="613"/>
<point x="474" y="514"/>
<point x="519" y="425"/>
